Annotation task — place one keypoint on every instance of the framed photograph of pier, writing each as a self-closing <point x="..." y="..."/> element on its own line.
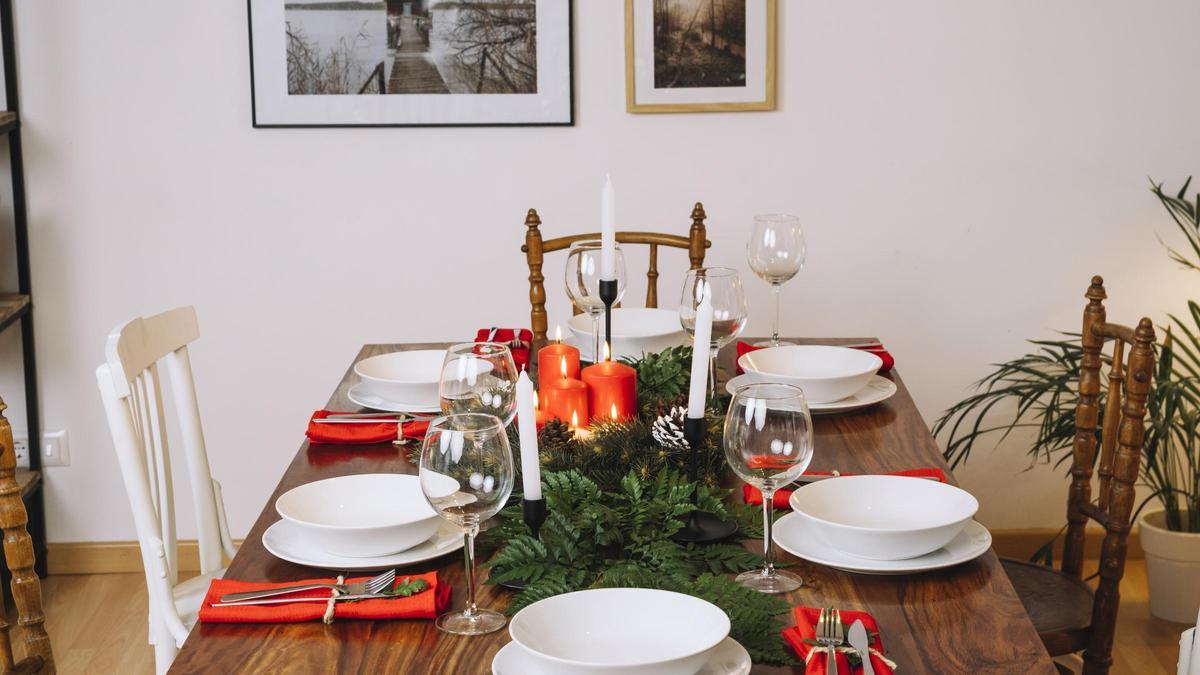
<point x="349" y="63"/>
<point x="699" y="55"/>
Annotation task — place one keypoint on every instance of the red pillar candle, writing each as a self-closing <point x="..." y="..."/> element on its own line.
<point x="557" y="361"/>
<point x="565" y="399"/>
<point x="613" y="390"/>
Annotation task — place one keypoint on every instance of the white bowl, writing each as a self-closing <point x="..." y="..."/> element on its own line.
<point x="826" y="374"/>
<point x="635" y="331"/>
<point x="884" y="517"/>
<point x="625" y="631"/>
<point x="408" y="377"/>
<point x="361" y="516"/>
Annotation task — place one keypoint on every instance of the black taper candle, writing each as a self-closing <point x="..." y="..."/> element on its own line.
<point x="608" y="294"/>
<point x="534" y="513"/>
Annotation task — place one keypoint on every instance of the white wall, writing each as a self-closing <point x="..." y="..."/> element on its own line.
<point x="962" y="169"/>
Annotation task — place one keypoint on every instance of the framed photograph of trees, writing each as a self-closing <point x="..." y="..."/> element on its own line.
<point x="410" y="62"/>
<point x="699" y="55"/>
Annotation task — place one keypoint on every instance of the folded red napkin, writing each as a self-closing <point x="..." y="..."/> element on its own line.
<point x="754" y="497"/>
<point x="519" y="341"/>
<point x="358" y="434"/>
<point x="876" y="349"/>
<point x="426" y="604"/>
<point x="798" y="637"/>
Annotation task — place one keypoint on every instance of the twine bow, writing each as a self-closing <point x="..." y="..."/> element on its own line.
<point x="328" y="616"/>
<point x="850" y="650"/>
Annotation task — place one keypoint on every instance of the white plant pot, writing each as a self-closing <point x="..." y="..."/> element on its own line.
<point x="1172" y="568"/>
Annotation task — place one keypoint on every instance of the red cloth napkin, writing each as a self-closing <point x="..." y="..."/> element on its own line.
<point x="876" y="349"/>
<point x="805" y="629"/>
<point x="360" y="434"/>
<point x="519" y="341"/>
<point x="427" y="604"/>
<point x="782" y="500"/>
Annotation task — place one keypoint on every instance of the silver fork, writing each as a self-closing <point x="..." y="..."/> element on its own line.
<point x="372" y="585"/>
<point x="830" y="635"/>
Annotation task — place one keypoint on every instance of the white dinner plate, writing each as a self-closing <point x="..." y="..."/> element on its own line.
<point x="284" y="540"/>
<point x="878" y="389"/>
<point x="359" y="395"/>
<point x="727" y="658"/>
<point x="796" y="536"/>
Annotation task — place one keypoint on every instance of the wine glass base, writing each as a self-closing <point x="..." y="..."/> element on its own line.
<point x="483" y="621"/>
<point x="773" y="343"/>
<point x="777" y="582"/>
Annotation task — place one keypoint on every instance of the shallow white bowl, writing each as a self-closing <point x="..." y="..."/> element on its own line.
<point x="408" y="377"/>
<point x="625" y="631"/>
<point x="826" y="374"/>
<point x="635" y="331"/>
<point x="361" y="516"/>
<point x="884" y="517"/>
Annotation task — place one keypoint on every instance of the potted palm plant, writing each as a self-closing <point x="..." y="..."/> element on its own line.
<point x="1041" y="386"/>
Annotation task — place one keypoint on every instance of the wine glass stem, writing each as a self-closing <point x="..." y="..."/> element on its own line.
<point x="469" y="547"/>
<point x="768" y="548"/>
<point x="712" y="377"/>
<point x="775" y="324"/>
<point x="596" y="357"/>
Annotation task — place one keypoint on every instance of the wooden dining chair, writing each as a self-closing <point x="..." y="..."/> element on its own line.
<point x="18" y="552"/>
<point x="535" y="249"/>
<point x="131" y="387"/>
<point x="1070" y="616"/>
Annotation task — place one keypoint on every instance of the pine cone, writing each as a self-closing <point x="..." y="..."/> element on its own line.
<point x="668" y="429"/>
<point x="554" y="434"/>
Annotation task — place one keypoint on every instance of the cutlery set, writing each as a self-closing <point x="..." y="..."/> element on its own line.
<point x="831" y="635"/>
<point x="359" y="590"/>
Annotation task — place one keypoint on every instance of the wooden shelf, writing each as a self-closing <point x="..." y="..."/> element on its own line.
<point x="8" y="121"/>
<point x="12" y="307"/>
<point x="28" y="480"/>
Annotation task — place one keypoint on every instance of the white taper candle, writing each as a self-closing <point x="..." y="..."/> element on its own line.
<point x="700" y="351"/>
<point x="531" y="469"/>
<point x="608" y="232"/>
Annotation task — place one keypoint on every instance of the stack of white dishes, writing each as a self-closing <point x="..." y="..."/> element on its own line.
<point x="635" y="331"/>
<point x="400" y="381"/>
<point x="621" y="631"/>
<point x="834" y="379"/>
<point x="882" y="525"/>
<point x="360" y="522"/>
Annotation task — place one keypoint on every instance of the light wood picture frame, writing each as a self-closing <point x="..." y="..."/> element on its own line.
<point x="700" y="55"/>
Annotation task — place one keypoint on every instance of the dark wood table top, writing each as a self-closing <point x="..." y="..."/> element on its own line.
<point x="966" y="619"/>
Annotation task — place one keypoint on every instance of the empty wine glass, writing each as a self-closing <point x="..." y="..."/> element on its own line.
<point x="729" y="309"/>
<point x="776" y="252"/>
<point x="466" y="475"/>
<point x="583" y="284"/>
<point x="768" y="443"/>
<point x="479" y="377"/>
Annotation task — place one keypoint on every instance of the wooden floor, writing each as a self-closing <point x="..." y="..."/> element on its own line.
<point x="97" y="624"/>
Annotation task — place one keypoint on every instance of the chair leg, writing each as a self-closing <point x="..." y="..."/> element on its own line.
<point x="164" y="647"/>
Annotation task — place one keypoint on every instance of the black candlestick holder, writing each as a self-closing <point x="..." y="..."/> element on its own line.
<point x="700" y="526"/>
<point x="608" y="294"/>
<point x="533" y="512"/>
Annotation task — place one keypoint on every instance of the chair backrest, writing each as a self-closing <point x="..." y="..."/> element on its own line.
<point x="534" y="248"/>
<point x="1120" y="447"/>
<point x="18" y="551"/>
<point x="131" y="387"/>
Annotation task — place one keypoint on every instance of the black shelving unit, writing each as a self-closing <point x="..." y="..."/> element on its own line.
<point x="17" y="308"/>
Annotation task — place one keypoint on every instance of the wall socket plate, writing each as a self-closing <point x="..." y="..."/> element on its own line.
<point x="55" y="450"/>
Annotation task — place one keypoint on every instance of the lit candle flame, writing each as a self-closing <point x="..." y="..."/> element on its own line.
<point x="614" y="410"/>
<point x="562" y="363"/>
<point x="607" y="352"/>
<point x="558" y="334"/>
<point x="574" y="419"/>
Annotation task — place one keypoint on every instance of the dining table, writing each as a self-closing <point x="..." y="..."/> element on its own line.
<point x="963" y="619"/>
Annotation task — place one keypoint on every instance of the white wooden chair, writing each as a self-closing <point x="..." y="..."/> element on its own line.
<point x="131" y="388"/>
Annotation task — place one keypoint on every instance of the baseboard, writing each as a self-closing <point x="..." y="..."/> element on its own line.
<point x="112" y="557"/>
<point x="1020" y="544"/>
<point x="118" y="557"/>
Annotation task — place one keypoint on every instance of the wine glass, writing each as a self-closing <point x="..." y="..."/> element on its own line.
<point x="479" y="377"/>
<point x="729" y="309"/>
<point x="776" y="252"/>
<point x="583" y="284"/>
<point x="466" y="475"/>
<point x="768" y="443"/>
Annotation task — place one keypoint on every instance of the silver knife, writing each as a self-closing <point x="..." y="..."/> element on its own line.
<point x="858" y="638"/>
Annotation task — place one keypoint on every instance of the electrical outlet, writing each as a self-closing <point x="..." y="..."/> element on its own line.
<point x="55" y="451"/>
<point x="21" y="446"/>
